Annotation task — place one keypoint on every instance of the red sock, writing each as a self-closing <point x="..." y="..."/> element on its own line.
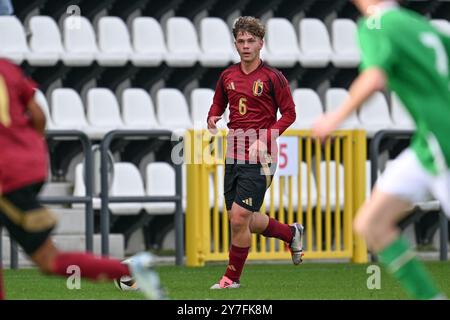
<point x="2" y="295"/>
<point x="236" y="262"/>
<point x="91" y="267"/>
<point x="276" y="229"/>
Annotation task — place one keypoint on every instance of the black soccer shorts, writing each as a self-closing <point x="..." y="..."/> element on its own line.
<point x="246" y="184"/>
<point x="26" y="220"/>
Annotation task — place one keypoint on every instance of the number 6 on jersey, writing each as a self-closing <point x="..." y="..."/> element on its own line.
<point x="242" y="106"/>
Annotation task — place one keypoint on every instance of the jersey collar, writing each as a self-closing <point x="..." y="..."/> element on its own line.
<point x="261" y="63"/>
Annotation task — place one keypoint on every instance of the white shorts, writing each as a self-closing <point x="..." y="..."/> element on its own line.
<point x="406" y="178"/>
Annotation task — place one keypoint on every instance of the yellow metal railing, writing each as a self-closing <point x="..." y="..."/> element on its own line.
<point x="338" y="164"/>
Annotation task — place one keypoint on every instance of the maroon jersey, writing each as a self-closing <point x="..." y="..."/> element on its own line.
<point x="253" y="100"/>
<point x="23" y="151"/>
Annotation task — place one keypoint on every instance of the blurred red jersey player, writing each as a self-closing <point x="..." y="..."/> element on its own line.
<point x="23" y="171"/>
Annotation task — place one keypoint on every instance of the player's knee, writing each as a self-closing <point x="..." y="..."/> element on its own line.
<point x="45" y="266"/>
<point x="45" y="256"/>
<point x="372" y="230"/>
<point x="239" y="221"/>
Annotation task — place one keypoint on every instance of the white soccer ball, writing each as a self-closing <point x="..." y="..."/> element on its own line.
<point x="126" y="283"/>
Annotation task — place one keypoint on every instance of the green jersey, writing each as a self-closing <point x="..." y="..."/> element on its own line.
<point x="415" y="58"/>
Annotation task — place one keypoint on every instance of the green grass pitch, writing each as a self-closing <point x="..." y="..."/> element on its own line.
<point x="315" y="281"/>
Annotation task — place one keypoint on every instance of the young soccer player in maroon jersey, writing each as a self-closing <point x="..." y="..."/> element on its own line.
<point x="23" y="171"/>
<point x="254" y="92"/>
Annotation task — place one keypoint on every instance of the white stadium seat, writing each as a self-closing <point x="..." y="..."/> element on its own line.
<point x="345" y="47"/>
<point x="172" y="110"/>
<point x="334" y="97"/>
<point x="201" y="101"/>
<point x="103" y="112"/>
<point x="215" y="40"/>
<point x="79" y="184"/>
<point x="400" y="116"/>
<point x="374" y="114"/>
<point x="182" y="43"/>
<point x="160" y="181"/>
<point x="308" y="108"/>
<point x="138" y="111"/>
<point x="304" y="189"/>
<point x="315" y="44"/>
<point x="79" y="188"/>
<point x="113" y="42"/>
<point x="79" y="42"/>
<point x="13" y="44"/>
<point x="41" y="100"/>
<point x="282" y="43"/>
<point x="45" y="43"/>
<point x="148" y="42"/>
<point x="126" y="181"/>
<point x="68" y="111"/>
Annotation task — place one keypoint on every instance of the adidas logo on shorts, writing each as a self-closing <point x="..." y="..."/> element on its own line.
<point x="248" y="201"/>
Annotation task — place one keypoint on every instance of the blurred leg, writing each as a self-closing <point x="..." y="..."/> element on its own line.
<point x="377" y="223"/>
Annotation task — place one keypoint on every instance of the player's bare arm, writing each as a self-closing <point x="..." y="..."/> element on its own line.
<point x="257" y="147"/>
<point x="366" y="84"/>
<point x="37" y="116"/>
<point x="212" y="123"/>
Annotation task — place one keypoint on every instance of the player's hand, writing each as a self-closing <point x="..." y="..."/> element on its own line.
<point x="324" y="126"/>
<point x="257" y="147"/>
<point x="212" y="124"/>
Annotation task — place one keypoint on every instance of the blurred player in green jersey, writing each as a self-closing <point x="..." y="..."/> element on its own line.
<point x="401" y="50"/>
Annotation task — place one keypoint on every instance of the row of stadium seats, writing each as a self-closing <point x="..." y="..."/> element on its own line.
<point x="373" y="116"/>
<point x="127" y="181"/>
<point x="160" y="181"/>
<point x="192" y="9"/>
<point x="149" y="48"/>
<point x="102" y="112"/>
<point x="180" y="46"/>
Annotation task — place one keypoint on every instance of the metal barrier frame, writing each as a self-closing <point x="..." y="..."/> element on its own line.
<point x="87" y="199"/>
<point x="374" y="153"/>
<point x="106" y="199"/>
